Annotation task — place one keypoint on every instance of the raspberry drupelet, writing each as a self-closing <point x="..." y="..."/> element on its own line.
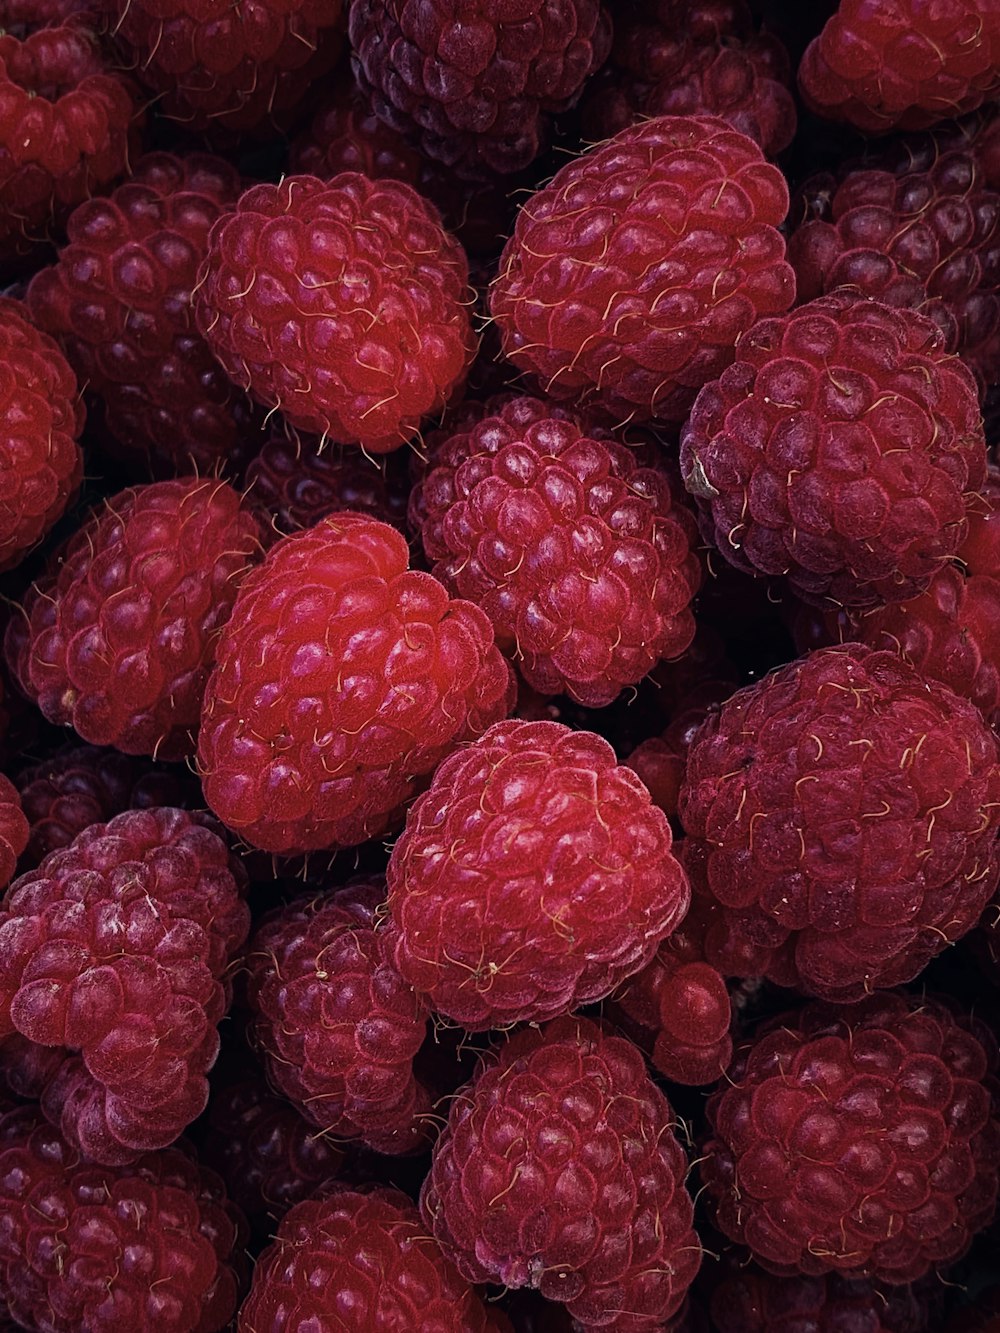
<point x="861" y="1140"/>
<point x="14" y="829"/>
<point x="630" y="276"/>
<point x="342" y="303"/>
<point x="342" y="679"/>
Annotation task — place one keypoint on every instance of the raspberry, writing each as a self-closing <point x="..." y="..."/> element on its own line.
<point x="533" y="876"/>
<point x="839" y="450"/>
<point x="582" y="560"/>
<point x="65" y="120"/>
<point x="117" y="638"/>
<point x="145" y="1249"/>
<point x="844" y="811"/>
<point x="116" y="948"/>
<point x="341" y="681"/>
<point x="477" y="82"/>
<point x="926" y="235"/>
<point x="675" y="58"/>
<point x="218" y="67"/>
<point x="860" y="1140"/>
<point x="80" y="785"/>
<point x="40" y="464"/>
<point x="903" y="64"/>
<point x="629" y="278"/>
<point x="13" y="829"/>
<point x="118" y="299"/>
<point x="337" y="1025"/>
<point x="682" y="1009"/>
<point x="559" y="1171"/>
<point x="340" y="303"/>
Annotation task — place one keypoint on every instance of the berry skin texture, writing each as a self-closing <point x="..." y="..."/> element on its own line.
<point x="582" y="560"/>
<point x="144" y="1249"/>
<point x="533" y="876"/>
<point x="41" y="466"/>
<point x="342" y="303"/>
<point x="860" y="1140"/>
<point x="117" y="638"/>
<point x="844" y="811"/>
<point x="380" y="1272"/>
<point x="903" y="64"/>
<point x="559" y="1171"/>
<point x="840" y="450"/>
<point x="116" y="948"/>
<point x="118" y="299"/>
<point x="475" y="82"/>
<point x="341" y="681"/>
<point x="13" y="829"/>
<point x="629" y="278"/>
<point x="337" y="1026"/>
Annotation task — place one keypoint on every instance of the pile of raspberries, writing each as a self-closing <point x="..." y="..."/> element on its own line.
<point x="499" y="666"/>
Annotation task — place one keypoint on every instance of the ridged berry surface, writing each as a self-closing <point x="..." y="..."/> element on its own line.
<point x="143" y="1249"/>
<point x="533" y="876"/>
<point x="582" y="559"/>
<point x="477" y="82"/>
<point x="41" y="466"/>
<point x="117" y="637"/>
<point x="342" y="679"/>
<point x="559" y="1170"/>
<point x="844" y="810"/>
<point x="839" y="450"/>
<point x="116" y="948"/>
<point x="682" y="1009"/>
<point x="342" y="303"/>
<point x="118" y="299"/>
<point x="379" y="1271"/>
<point x="859" y="1140"/>
<point x="902" y="64"/>
<point x="630" y="276"/>
<point x="13" y="829"/>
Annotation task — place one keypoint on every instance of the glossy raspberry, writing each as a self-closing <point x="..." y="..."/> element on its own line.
<point x="559" y="1171"/>
<point x="582" y="560"/>
<point x="341" y="303"/>
<point x="13" y="829"/>
<point x="750" y="1300"/>
<point x="116" y="948"/>
<point x="341" y="681"/>
<point x="219" y="67"/>
<point x="903" y="64"/>
<point x="533" y="876"/>
<point x="860" y="1140"/>
<point x="143" y="1249"/>
<point x="380" y="1270"/>
<point x="682" y="1010"/>
<point x="118" y="299"/>
<point x="839" y="450"/>
<point x="40" y="462"/>
<point x="629" y="278"/>
<point x="117" y="638"/>
<point x="844" y="810"/>
<point x="926" y="236"/>
<point x="478" y="82"/>
<point x="675" y="58"/>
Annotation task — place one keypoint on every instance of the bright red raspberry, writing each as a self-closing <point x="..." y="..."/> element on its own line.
<point x="559" y="1170"/>
<point x="843" y="810"/>
<point x="582" y="559"/>
<point x="478" y="83"/>
<point x="117" y="638"/>
<point x="840" y="450"/>
<point x="861" y="1140"/>
<point x="118" y="299"/>
<point x="381" y="1272"/>
<point x="903" y="64"/>
<point x="342" y="679"/>
<point x="117" y="948"/>
<point x="533" y="876"/>
<point x="629" y="278"/>
<point x="147" y="1248"/>
<point x="41" y="466"/>
<point x="13" y="829"/>
<point x="344" y="304"/>
<point x="218" y="67"/>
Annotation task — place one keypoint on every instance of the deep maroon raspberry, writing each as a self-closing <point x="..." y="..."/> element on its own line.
<point x="13" y="829"/>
